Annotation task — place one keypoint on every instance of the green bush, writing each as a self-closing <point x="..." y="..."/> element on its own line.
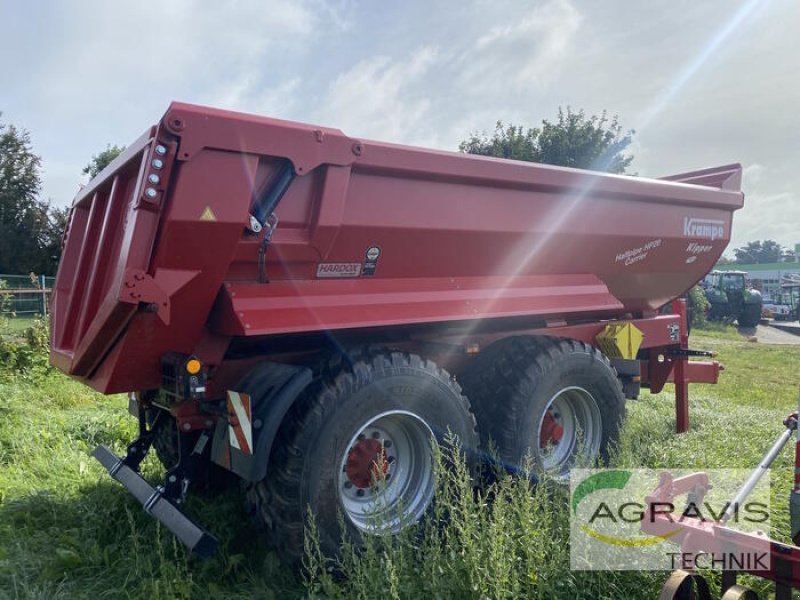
<point x="24" y="354"/>
<point x="698" y="306"/>
<point x="5" y="304"/>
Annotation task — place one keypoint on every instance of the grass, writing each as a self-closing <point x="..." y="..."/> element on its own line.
<point x="68" y="531"/>
<point x="19" y="324"/>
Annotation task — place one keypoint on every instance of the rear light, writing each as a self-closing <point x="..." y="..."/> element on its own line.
<point x="182" y="377"/>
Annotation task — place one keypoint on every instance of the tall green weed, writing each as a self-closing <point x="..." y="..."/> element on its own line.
<point x="506" y="539"/>
<point x="24" y="355"/>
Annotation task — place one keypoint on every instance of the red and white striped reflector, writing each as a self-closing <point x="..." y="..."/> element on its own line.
<point x="240" y="428"/>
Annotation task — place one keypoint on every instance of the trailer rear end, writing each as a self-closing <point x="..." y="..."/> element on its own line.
<point x="288" y="304"/>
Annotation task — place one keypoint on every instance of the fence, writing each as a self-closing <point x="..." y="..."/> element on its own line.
<point x="25" y="295"/>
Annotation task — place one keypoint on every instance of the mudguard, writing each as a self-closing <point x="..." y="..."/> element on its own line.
<point x="272" y="388"/>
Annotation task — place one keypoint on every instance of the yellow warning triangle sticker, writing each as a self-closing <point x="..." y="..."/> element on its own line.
<point x="208" y="215"/>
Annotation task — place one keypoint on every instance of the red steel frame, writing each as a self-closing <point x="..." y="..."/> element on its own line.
<point x="712" y="538"/>
<point x="472" y="249"/>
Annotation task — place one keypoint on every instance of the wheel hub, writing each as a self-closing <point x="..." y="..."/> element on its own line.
<point x="551" y="432"/>
<point x="367" y="462"/>
<point x="386" y="477"/>
<point x="571" y="428"/>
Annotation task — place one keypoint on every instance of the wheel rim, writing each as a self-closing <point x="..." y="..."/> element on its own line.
<point x="570" y="427"/>
<point x="386" y="479"/>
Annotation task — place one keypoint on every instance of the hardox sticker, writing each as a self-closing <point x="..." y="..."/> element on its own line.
<point x="336" y="270"/>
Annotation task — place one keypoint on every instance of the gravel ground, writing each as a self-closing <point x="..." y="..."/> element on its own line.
<point x="769" y="335"/>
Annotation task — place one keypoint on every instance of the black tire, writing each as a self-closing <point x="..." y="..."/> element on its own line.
<point x="518" y="389"/>
<point x="315" y="446"/>
<point x="719" y="313"/>
<point x="165" y="439"/>
<point x="751" y="315"/>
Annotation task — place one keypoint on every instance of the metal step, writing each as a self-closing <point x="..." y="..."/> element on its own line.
<point x="194" y="537"/>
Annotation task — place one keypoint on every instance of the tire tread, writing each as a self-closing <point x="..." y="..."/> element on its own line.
<point x="275" y="502"/>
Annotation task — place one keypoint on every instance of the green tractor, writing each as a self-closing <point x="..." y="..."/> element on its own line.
<point x="731" y="300"/>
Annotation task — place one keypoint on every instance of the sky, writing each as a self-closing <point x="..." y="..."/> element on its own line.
<point x="701" y="83"/>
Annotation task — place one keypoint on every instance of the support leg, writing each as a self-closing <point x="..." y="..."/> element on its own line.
<point x="679" y="372"/>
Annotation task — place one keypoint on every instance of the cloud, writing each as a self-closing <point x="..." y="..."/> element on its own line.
<point x="769" y="212"/>
<point x="146" y="50"/>
<point x="767" y="216"/>
<point x="435" y="94"/>
<point x="100" y="72"/>
<point x="380" y="97"/>
<point x="513" y="58"/>
<point x="247" y="95"/>
<point x="426" y="72"/>
<point x="752" y="175"/>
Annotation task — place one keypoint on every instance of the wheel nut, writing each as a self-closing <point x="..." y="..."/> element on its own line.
<point x="376" y="435"/>
<point x="390" y="459"/>
<point x="359" y="493"/>
<point x="361" y="436"/>
<point x="387" y="444"/>
<point x="347" y="485"/>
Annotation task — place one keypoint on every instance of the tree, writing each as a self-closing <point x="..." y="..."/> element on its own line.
<point x="510" y="141"/>
<point x="100" y="161"/>
<point x="22" y="219"/>
<point x="574" y="140"/>
<point x="30" y="228"/>
<point x="724" y="260"/>
<point x="768" y="251"/>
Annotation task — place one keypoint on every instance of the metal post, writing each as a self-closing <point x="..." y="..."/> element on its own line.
<point x="679" y="372"/>
<point x="757" y="474"/>
<point x="794" y="495"/>
<point x="43" y="289"/>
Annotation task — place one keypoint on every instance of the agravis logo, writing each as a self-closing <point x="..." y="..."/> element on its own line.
<point x="634" y="519"/>
<point x="709" y="229"/>
<point x="628" y="512"/>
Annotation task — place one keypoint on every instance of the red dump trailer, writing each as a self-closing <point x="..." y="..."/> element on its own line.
<point x="308" y="312"/>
